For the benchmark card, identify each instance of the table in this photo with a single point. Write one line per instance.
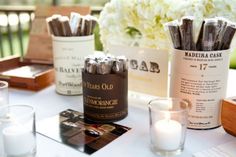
(134, 143)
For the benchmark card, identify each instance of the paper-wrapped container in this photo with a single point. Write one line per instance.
(201, 78)
(68, 55)
(105, 97)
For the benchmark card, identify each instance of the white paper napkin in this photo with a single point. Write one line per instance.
(223, 150)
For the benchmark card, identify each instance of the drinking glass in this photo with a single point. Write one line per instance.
(17, 131)
(168, 122)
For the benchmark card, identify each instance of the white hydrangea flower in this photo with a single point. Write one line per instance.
(140, 22)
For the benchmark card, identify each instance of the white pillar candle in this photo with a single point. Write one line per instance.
(167, 134)
(18, 140)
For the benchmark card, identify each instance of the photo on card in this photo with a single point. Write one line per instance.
(71, 129)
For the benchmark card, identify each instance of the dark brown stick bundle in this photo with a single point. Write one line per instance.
(105, 64)
(215, 34)
(77, 25)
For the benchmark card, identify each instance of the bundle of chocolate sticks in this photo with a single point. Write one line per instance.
(76, 25)
(215, 34)
(105, 64)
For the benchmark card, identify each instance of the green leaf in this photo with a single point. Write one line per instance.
(133, 32)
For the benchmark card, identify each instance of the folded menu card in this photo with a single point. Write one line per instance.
(70, 128)
(223, 150)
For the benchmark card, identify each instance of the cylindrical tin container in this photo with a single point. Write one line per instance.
(201, 78)
(105, 97)
(68, 55)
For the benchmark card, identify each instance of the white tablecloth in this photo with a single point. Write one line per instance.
(134, 143)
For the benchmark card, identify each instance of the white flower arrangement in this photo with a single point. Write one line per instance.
(140, 22)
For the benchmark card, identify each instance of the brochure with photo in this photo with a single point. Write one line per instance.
(70, 128)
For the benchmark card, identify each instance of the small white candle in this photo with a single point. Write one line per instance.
(167, 134)
(2, 101)
(18, 140)
(4, 122)
(3, 111)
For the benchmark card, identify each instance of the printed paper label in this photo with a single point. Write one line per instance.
(201, 78)
(68, 62)
(148, 69)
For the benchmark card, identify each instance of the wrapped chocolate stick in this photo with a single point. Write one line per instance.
(118, 66)
(209, 34)
(200, 36)
(174, 32)
(110, 61)
(186, 32)
(105, 64)
(103, 67)
(81, 28)
(221, 24)
(124, 61)
(50, 25)
(56, 25)
(93, 21)
(87, 59)
(53, 24)
(227, 36)
(91, 67)
(88, 27)
(79, 32)
(75, 19)
(64, 21)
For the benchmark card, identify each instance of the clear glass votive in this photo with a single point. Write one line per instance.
(3, 93)
(168, 123)
(17, 131)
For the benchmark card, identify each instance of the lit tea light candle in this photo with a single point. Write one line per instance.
(167, 134)
(18, 140)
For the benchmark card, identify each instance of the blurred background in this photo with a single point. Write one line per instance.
(54, 2)
(16, 18)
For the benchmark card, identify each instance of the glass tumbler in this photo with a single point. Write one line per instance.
(168, 123)
(17, 131)
(3, 93)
